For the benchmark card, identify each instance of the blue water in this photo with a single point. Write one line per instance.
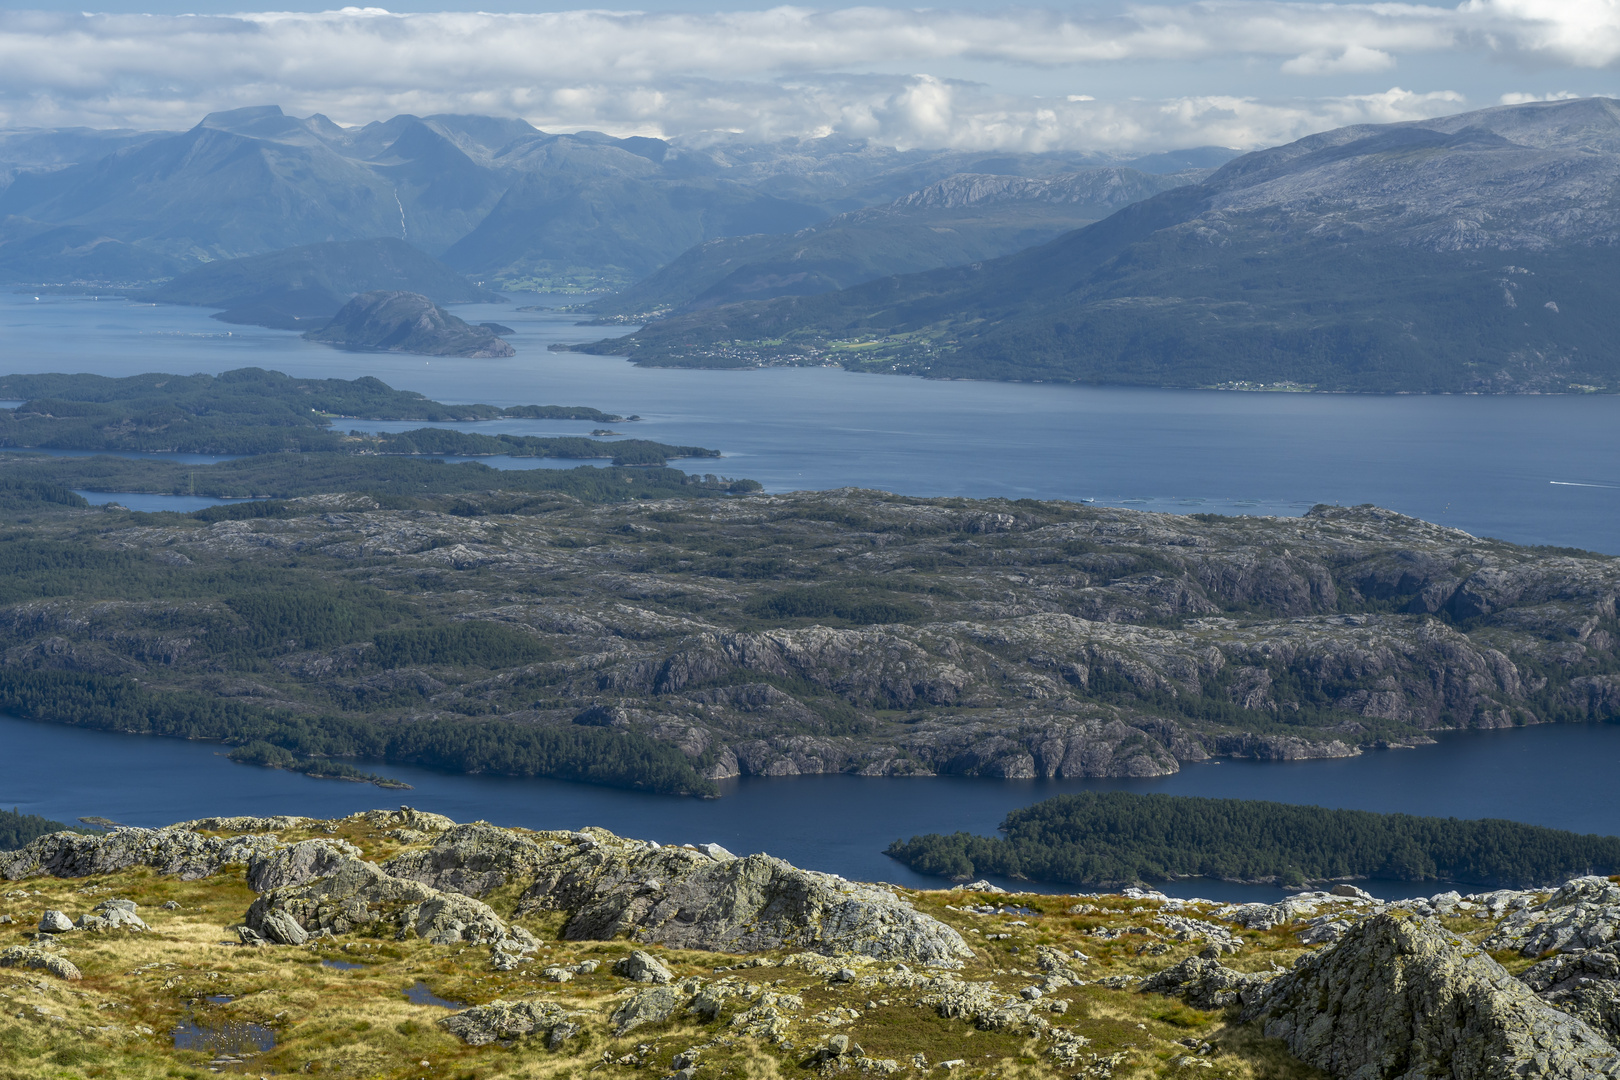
(1529, 469)
(1542, 470)
(1561, 776)
(153, 503)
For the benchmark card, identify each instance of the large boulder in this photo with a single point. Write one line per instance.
(688, 899)
(473, 860)
(1206, 984)
(26, 956)
(1400, 997)
(297, 863)
(648, 1007)
(359, 895)
(643, 967)
(501, 1020)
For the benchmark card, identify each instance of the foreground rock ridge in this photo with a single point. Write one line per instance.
(578, 950)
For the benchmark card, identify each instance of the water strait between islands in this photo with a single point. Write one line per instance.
(1530, 469)
(1536, 470)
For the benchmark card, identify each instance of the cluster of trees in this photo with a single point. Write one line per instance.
(259, 752)
(18, 829)
(570, 752)
(828, 602)
(290, 476)
(251, 411)
(1109, 838)
(466, 444)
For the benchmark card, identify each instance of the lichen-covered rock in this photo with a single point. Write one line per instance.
(173, 851)
(685, 899)
(1206, 984)
(643, 967)
(112, 915)
(26, 956)
(471, 859)
(54, 922)
(297, 863)
(359, 894)
(648, 1007)
(1584, 984)
(484, 1024)
(1400, 997)
(1580, 914)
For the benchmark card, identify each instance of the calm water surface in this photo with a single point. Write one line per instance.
(1530, 469)
(1560, 776)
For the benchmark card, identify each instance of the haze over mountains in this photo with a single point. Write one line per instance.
(493, 198)
(1473, 252)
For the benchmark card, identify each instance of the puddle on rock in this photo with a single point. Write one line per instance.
(419, 994)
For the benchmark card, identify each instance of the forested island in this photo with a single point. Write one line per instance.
(251, 411)
(1119, 838)
(651, 628)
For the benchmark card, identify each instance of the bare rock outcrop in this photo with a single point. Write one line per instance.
(1400, 997)
(1206, 984)
(503, 1020)
(173, 851)
(684, 898)
(359, 895)
(1580, 914)
(471, 859)
(26, 956)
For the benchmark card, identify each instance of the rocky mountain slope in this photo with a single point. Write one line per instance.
(963, 218)
(493, 197)
(395, 321)
(1462, 253)
(282, 945)
(306, 286)
(817, 632)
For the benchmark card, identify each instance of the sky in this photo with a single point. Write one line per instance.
(1100, 76)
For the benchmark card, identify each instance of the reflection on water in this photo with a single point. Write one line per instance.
(221, 1036)
(419, 994)
(152, 504)
(342, 965)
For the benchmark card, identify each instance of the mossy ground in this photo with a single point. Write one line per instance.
(327, 1021)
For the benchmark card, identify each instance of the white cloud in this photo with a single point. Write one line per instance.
(1351, 60)
(779, 71)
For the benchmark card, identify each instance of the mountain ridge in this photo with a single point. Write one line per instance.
(1366, 259)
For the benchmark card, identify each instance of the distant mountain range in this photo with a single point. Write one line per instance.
(1476, 252)
(493, 198)
(961, 219)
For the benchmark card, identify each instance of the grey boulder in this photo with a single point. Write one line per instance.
(502, 1020)
(1400, 997)
(648, 1007)
(25, 956)
(1206, 984)
(54, 922)
(643, 967)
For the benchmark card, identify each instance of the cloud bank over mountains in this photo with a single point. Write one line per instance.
(1028, 79)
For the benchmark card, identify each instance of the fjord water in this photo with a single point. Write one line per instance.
(1530, 469)
(1561, 776)
(1541, 470)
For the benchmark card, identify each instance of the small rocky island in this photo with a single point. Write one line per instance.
(410, 323)
(400, 943)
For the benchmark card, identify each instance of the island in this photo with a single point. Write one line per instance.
(393, 321)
